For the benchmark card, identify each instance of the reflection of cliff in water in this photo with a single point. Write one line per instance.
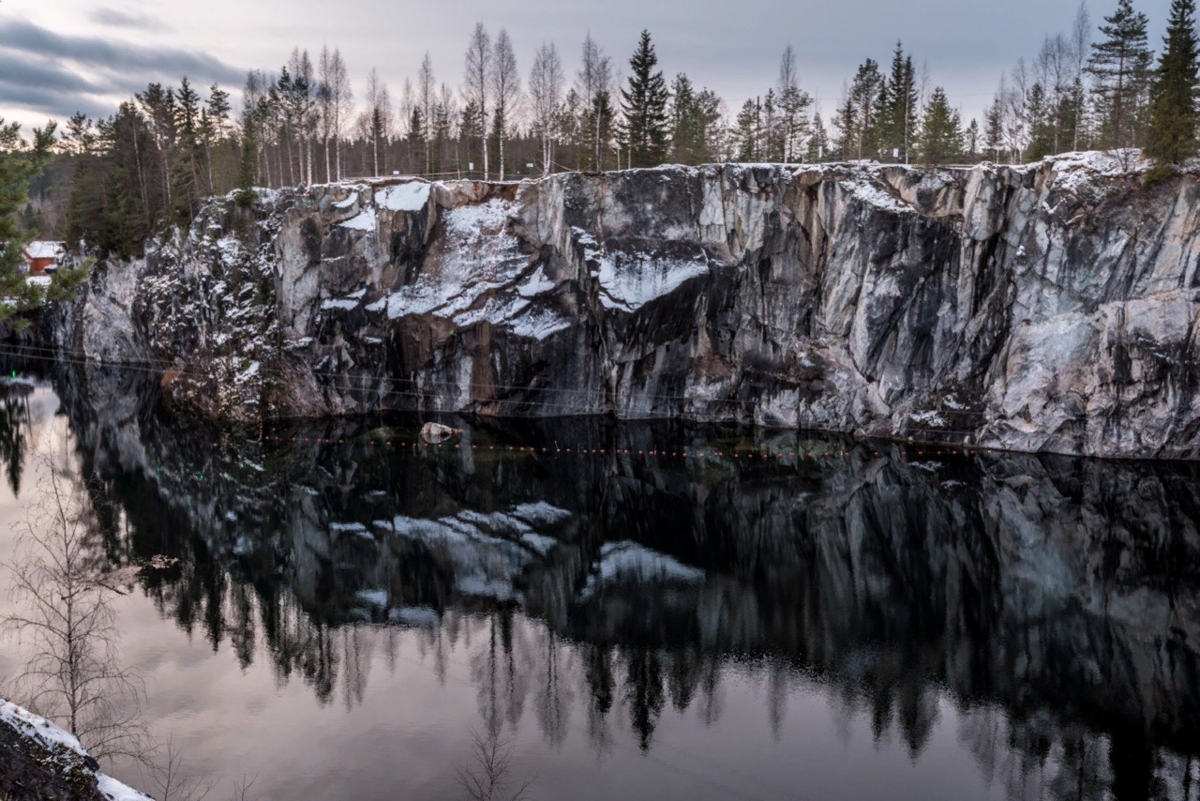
(1054, 599)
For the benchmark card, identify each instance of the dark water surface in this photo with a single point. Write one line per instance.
(835, 620)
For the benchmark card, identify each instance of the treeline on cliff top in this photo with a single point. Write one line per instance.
(113, 182)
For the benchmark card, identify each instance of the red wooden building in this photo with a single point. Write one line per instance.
(43, 257)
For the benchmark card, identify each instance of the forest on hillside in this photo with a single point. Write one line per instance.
(111, 183)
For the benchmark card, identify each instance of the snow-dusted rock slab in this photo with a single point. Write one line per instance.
(1049, 307)
(41, 760)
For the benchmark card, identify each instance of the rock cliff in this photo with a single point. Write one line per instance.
(1050, 307)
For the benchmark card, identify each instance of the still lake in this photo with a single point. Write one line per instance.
(772, 616)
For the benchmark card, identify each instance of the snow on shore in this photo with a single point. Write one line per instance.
(65, 747)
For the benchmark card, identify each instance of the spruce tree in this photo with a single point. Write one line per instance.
(864, 95)
(1120, 66)
(644, 103)
(418, 140)
(846, 122)
(746, 131)
(771, 147)
(597, 134)
(19, 163)
(818, 143)
(683, 100)
(993, 132)
(247, 172)
(941, 131)
(1041, 125)
(793, 107)
(971, 141)
(898, 108)
(1174, 93)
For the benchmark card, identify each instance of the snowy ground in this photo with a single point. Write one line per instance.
(64, 746)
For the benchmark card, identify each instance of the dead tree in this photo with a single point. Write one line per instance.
(488, 777)
(64, 618)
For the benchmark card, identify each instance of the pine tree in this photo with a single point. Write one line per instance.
(941, 132)
(644, 104)
(1175, 91)
(1120, 66)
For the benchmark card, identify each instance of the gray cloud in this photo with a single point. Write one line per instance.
(144, 63)
(25, 70)
(115, 18)
(56, 105)
(40, 85)
(33, 77)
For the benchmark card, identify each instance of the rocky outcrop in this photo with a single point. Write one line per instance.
(1050, 307)
(41, 762)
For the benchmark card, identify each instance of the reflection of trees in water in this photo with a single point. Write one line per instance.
(1050, 599)
(60, 587)
(15, 431)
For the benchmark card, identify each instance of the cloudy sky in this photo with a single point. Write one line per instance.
(60, 56)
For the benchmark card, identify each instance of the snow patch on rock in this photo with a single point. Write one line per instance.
(364, 221)
(630, 560)
(404, 197)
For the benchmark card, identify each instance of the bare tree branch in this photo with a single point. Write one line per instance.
(66, 620)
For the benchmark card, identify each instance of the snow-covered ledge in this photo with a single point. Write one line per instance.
(58, 753)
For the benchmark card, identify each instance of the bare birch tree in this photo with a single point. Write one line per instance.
(343, 104)
(169, 780)
(379, 111)
(489, 777)
(1081, 38)
(594, 81)
(477, 81)
(793, 106)
(506, 90)
(545, 95)
(326, 103)
(427, 99)
(64, 616)
(303, 107)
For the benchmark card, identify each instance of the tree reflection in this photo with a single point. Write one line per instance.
(1052, 603)
(15, 431)
(61, 586)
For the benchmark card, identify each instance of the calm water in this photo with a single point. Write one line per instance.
(871, 623)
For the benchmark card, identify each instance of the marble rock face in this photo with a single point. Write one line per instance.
(1049, 307)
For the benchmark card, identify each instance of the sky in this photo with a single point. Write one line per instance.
(62, 56)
